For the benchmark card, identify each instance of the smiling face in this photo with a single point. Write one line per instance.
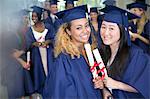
(93, 15)
(79, 31)
(53, 8)
(34, 17)
(110, 33)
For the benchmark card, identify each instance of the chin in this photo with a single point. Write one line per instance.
(84, 41)
(107, 43)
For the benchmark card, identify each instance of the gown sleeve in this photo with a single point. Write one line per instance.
(139, 68)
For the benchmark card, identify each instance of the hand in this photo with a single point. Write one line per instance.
(111, 83)
(46, 43)
(133, 35)
(106, 94)
(24, 64)
(98, 83)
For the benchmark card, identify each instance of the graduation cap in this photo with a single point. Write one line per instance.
(53, 2)
(93, 9)
(110, 2)
(138, 4)
(48, 11)
(37, 9)
(72, 14)
(117, 15)
(70, 1)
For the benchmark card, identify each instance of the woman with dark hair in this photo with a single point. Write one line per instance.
(95, 23)
(128, 67)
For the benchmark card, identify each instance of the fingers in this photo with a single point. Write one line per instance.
(98, 83)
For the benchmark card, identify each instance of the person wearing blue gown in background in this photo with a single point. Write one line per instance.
(140, 27)
(39, 40)
(127, 65)
(69, 4)
(95, 20)
(70, 77)
(15, 75)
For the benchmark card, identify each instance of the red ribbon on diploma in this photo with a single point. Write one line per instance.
(93, 68)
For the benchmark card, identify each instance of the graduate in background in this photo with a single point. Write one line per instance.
(70, 76)
(69, 4)
(128, 67)
(53, 9)
(95, 23)
(16, 77)
(39, 42)
(140, 26)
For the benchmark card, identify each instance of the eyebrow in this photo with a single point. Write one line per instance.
(108, 25)
(85, 24)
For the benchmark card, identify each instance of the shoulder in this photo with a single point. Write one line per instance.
(62, 57)
(138, 54)
(135, 48)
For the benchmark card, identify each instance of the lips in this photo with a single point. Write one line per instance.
(85, 36)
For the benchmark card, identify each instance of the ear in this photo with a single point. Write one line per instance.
(68, 31)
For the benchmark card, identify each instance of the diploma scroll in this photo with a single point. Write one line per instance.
(100, 62)
(90, 59)
(28, 59)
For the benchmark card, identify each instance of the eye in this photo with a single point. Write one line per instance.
(103, 27)
(79, 28)
(87, 25)
(111, 28)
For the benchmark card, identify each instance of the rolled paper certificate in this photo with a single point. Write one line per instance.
(28, 59)
(100, 62)
(90, 57)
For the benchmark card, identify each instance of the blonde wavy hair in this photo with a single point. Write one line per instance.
(141, 23)
(64, 44)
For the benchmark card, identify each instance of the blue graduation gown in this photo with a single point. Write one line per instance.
(36, 69)
(136, 75)
(70, 79)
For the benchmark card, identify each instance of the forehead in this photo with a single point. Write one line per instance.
(34, 13)
(79, 21)
(93, 13)
(53, 5)
(109, 23)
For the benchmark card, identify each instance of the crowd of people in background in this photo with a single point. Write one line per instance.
(47, 59)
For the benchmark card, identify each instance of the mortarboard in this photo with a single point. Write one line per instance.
(70, 1)
(138, 4)
(72, 14)
(53, 2)
(37, 9)
(94, 9)
(110, 2)
(117, 15)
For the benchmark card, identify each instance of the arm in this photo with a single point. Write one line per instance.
(114, 84)
(134, 36)
(16, 54)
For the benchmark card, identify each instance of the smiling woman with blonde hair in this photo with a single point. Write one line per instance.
(140, 26)
(70, 76)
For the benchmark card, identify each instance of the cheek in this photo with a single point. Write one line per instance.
(102, 31)
(88, 29)
(116, 36)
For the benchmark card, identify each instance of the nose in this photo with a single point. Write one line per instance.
(106, 32)
(87, 29)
